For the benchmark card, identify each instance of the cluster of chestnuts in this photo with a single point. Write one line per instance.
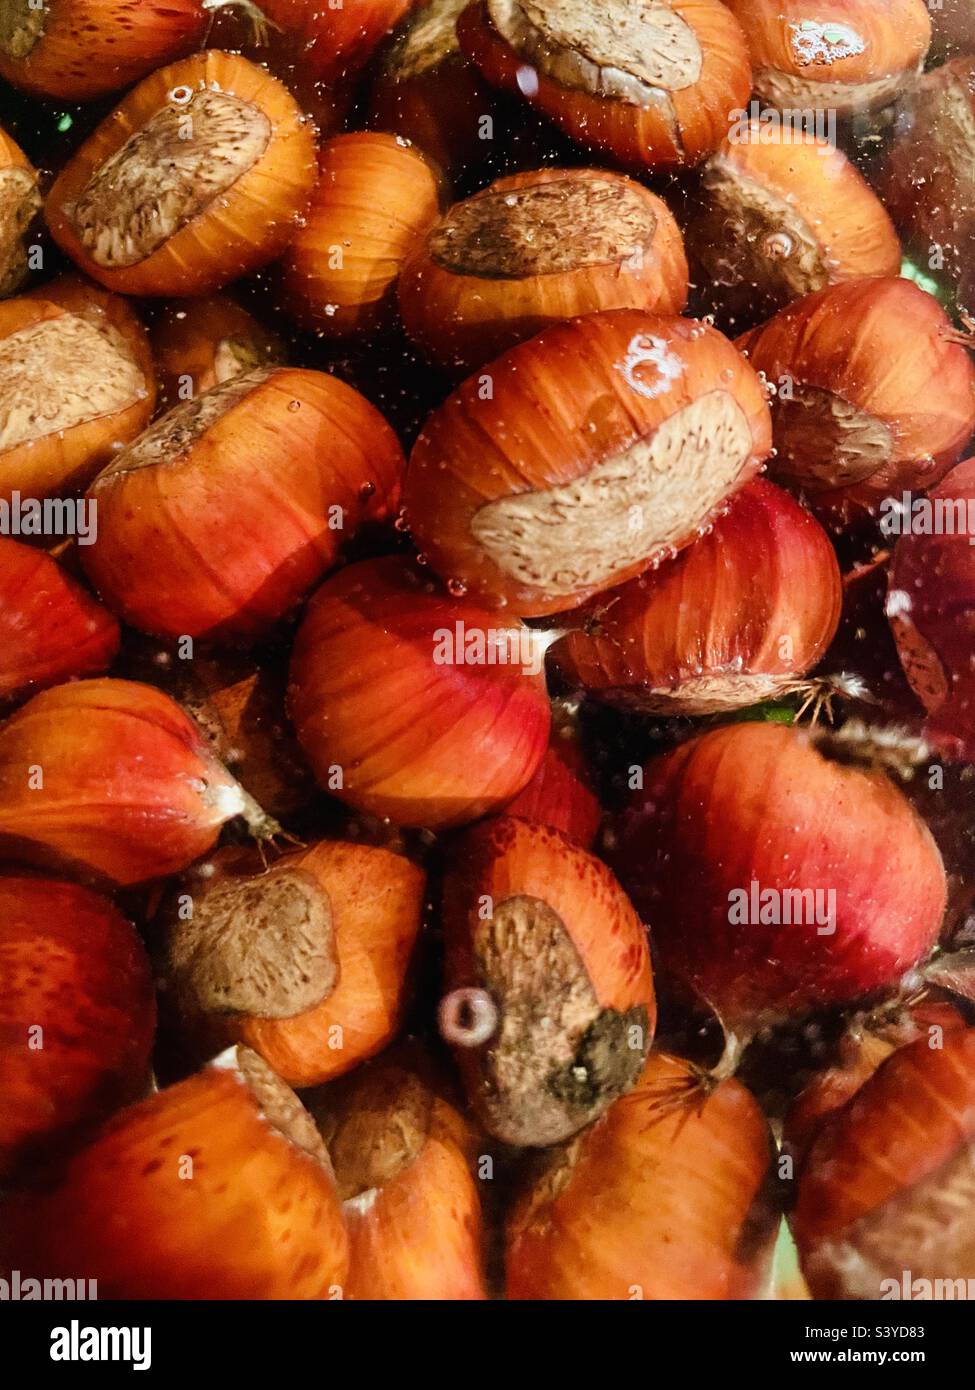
(487, 647)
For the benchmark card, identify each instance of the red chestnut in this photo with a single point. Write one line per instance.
(77, 1014)
(244, 497)
(929, 181)
(50, 627)
(931, 604)
(735, 619)
(111, 779)
(413, 705)
(768, 873)
(550, 1000)
(873, 396)
(582, 457)
(560, 795)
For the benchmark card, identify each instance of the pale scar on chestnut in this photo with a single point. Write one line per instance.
(21, 27)
(382, 1132)
(635, 51)
(278, 1104)
(263, 946)
(166, 174)
(543, 229)
(179, 429)
(825, 441)
(558, 1058)
(645, 498)
(62, 372)
(20, 200)
(743, 226)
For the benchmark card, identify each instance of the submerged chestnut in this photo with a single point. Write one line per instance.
(197, 178)
(648, 82)
(534, 248)
(582, 457)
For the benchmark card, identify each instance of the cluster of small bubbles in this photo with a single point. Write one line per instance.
(331, 310)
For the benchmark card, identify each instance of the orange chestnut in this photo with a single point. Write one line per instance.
(20, 201)
(534, 248)
(872, 395)
(76, 380)
(663, 1198)
(549, 997)
(77, 1014)
(403, 1168)
(735, 619)
(50, 626)
(846, 55)
(784, 214)
(80, 49)
(218, 1187)
(650, 84)
(197, 178)
(883, 1191)
(411, 704)
(305, 962)
(199, 343)
(560, 795)
(244, 497)
(375, 197)
(582, 457)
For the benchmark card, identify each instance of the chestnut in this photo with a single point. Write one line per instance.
(532, 249)
(798, 902)
(393, 683)
(50, 626)
(305, 961)
(849, 56)
(735, 619)
(873, 396)
(561, 795)
(931, 605)
(77, 1015)
(782, 216)
(549, 998)
(244, 497)
(929, 178)
(110, 780)
(197, 178)
(218, 1187)
(427, 91)
(336, 39)
(582, 457)
(77, 50)
(883, 1207)
(651, 85)
(20, 201)
(402, 1157)
(665, 1197)
(199, 343)
(76, 380)
(375, 197)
